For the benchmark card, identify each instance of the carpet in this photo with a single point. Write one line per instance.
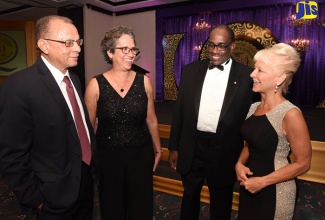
(167, 207)
(310, 205)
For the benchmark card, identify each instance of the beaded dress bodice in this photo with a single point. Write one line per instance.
(122, 121)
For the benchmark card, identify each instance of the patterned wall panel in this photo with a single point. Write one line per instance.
(170, 43)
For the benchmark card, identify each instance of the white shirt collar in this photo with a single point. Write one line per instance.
(57, 74)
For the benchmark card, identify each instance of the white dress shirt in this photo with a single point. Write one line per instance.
(212, 97)
(58, 76)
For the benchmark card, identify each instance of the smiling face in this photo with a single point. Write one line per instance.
(266, 77)
(59, 55)
(220, 36)
(282, 61)
(122, 60)
(263, 77)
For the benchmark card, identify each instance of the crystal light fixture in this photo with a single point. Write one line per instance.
(300, 44)
(198, 47)
(322, 24)
(200, 27)
(299, 22)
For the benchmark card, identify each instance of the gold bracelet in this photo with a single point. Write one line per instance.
(159, 152)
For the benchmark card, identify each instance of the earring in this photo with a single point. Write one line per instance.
(276, 88)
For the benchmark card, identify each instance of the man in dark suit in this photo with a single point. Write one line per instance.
(213, 100)
(43, 158)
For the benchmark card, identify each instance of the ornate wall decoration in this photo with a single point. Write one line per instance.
(170, 43)
(250, 38)
(12, 42)
(321, 105)
(17, 46)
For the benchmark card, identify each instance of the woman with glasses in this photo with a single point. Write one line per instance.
(127, 134)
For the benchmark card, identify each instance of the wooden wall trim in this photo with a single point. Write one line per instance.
(317, 169)
(175, 187)
(164, 131)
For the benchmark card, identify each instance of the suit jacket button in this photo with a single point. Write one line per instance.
(78, 154)
(77, 178)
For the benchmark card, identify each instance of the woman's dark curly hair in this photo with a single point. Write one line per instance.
(110, 38)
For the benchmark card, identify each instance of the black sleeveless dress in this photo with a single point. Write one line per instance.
(122, 121)
(269, 150)
(125, 151)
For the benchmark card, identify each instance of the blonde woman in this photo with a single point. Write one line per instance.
(274, 128)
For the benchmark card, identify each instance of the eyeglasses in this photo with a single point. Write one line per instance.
(68, 43)
(127, 50)
(220, 47)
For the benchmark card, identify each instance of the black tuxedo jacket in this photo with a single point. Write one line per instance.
(40, 152)
(238, 98)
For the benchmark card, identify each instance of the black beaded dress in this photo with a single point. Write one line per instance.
(269, 150)
(126, 153)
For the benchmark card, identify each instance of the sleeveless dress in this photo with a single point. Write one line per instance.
(125, 152)
(122, 121)
(269, 150)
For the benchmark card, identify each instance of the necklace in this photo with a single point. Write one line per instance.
(122, 87)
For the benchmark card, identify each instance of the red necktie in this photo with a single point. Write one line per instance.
(83, 137)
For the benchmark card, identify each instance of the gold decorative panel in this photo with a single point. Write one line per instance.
(170, 43)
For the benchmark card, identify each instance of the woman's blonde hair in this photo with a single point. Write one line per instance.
(284, 59)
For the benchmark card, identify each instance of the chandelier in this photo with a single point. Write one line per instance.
(322, 24)
(300, 44)
(198, 47)
(299, 22)
(201, 27)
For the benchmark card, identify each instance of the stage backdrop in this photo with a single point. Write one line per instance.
(308, 86)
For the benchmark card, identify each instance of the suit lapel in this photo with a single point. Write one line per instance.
(57, 95)
(232, 86)
(53, 87)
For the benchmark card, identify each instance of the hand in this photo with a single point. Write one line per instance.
(172, 159)
(40, 206)
(158, 155)
(253, 184)
(242, 171)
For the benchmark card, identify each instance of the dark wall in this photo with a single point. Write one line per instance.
(76, 15)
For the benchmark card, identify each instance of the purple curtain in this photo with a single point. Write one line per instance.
(308, 86)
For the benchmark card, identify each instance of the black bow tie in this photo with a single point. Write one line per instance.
(220, 67)
(211, 66)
